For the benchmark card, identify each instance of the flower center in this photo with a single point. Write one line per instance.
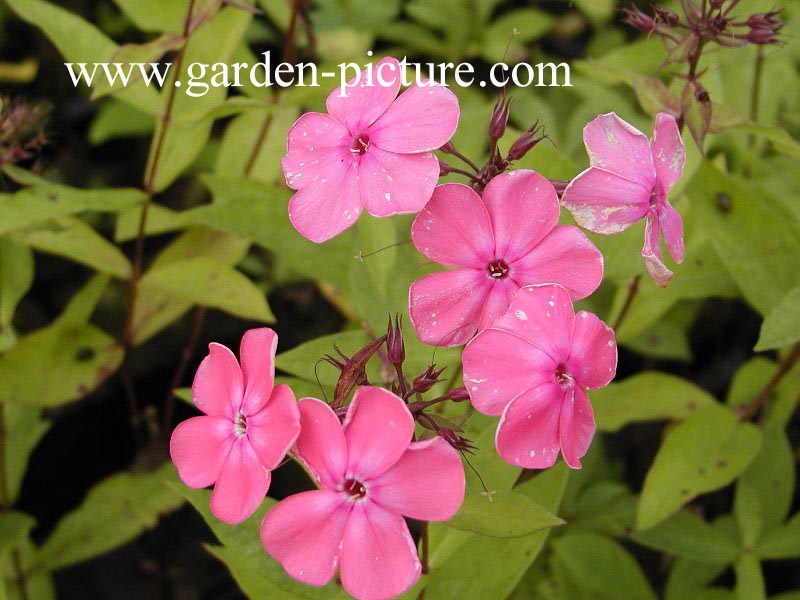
(498, 269)
(562, 377)
(355, 489)
(240, 424)
(360, 144)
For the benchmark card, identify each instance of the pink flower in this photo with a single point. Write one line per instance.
(628, 180)
(248, 426)
(498, 243)
(533, 367)
(371, 474)
(372, 150)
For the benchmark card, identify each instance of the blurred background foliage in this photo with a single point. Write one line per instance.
(682, 496)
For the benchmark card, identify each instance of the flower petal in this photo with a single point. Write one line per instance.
(242, 484)
(198, 447)
(445, 307)
(671, 224)
(618, 147)
(499, 365)
(605, 203)
(393, 184)
(528, 432)
(321, 445)
(566, 257)
(325, 209)
(303, 533)
(379, 558)
(543, 315)
(315, 145)
(454, 228)
(257, 354)
(576, 429)
(274, 429)
(523, 207)
(497, 300)
(358, 105)
(378, 429)
(217, 387)
(435, 497)
(593, 360)
(651, 252)
(423, 118)
(669, 153)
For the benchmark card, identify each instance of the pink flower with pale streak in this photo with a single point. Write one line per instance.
(372, 150)
(533, 367)
(628, 180)
(371, 474)
(247, 428)
(498, 243)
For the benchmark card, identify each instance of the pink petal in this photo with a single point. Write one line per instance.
(651, 252)
(198, 447)
(393, 184)
(217, 387)
(257, 353)
(542, 315)
(362, 103)
(325, 209)
(669, 154)
(379, 558)
(422, 118)
(321, 445)
(528, 432)
(315, 145)
(499, 365)
(576, 428)
(497, 300)
(274, 429)
(378, 429)
(566, 257)
(445, 307)
(434, 497)
(618, 147)
(605, 203)
(454, 228)
(303, 533)
(242, 484)
(523, 207)
(593, 360)
(671, 224)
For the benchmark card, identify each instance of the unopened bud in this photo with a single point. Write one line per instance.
(762, 35)
(455, 440)
(525, 143)
(499, 119)
(667, 16)
(426, 380)
(640, 20)
(457, 395)
(395, 348)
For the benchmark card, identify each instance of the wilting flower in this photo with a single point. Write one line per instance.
(372, 150)
(498, 243)
(248, 426)
(371, 474)
(628, 180)
(533, 367)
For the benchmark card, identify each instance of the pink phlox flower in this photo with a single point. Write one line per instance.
(628, 180)
(533, 367)
(371, 474)
(372, 150)
(248, 426)
(497, 243)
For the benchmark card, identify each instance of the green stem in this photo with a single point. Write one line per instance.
(751, 408)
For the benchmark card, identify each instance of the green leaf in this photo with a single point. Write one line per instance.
(155, 15)
(781, 543)
(24, 428)
(704, 453)
(779, 138)
(687, 535)
(115, 511)
(528, 23)
(749, 578)
(14, 526)
(654, 96)
(378, 239)
(503, 514)
(749, 379)
(16, 277)
(38, 585)
(689, 576)
(696, 113)
(118, 120)
(648, 396)
(781, 326)
(160, 219)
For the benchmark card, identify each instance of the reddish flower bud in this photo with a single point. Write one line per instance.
(525, 142)
(715, 4)
(666, 16)
(762, 35)
(769, 19)
(456, 441)
(395, 348)
(499, 119)
(444, 169)
(639, 20)
(425, 380)
(457, 395)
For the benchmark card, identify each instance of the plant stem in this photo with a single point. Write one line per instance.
(186, 356)
(633, 289)
(425, 548)
(464, 159)
(751, 408)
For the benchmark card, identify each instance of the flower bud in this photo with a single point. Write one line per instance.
(715, 4)
(640, 20)
(457, 395)
(525, 143)
(395, 348)
(762, 35)
(667, 16)
(425, 380)
(455, 440)
(499, 119)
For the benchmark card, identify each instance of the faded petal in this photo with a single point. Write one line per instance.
(593, 360)
(669, 153)
(566, 257)
(242, 484)
(217, 387)
(379, 558)
(257, 354)
(445, 307)
(434, 497)
(422, 118)
(321, 445)
(315, 146)
(671, 224)
(499, 365)
(618, 147)
(303, 533)
(651, 252)
(576, 428)
(198, 448)
(362, 104)
(393, 184)
(454, 228)
(523, 207)
(378, 429)
(528, 432)
(274, 429)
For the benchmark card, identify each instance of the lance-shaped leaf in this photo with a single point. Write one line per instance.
(503, 514)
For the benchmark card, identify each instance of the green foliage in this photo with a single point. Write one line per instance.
(502, 514)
